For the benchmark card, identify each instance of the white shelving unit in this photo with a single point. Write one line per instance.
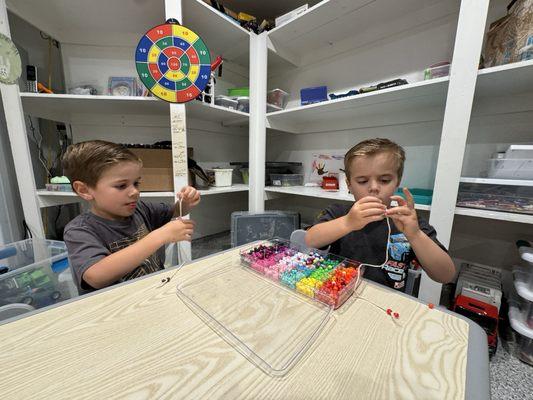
(492, 181)
(341, 43)
(89, 35)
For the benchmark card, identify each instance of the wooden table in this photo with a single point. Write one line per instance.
(139, 340)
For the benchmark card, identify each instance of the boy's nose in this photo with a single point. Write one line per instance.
(134, 192)
(374, 187)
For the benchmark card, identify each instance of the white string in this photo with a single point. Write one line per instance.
(386, 250)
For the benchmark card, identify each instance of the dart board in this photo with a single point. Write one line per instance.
(173, 63)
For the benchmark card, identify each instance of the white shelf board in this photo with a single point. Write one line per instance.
(49, 198)
(498, 215)
(62, 107)
(504, 80)
(319, 193)
(335, 26)
(222, 35)
(414, 102)
(95, 22)
(491, 181)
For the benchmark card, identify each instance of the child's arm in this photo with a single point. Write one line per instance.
(113, 267)
(366, 210)
(434, 260)
(190, 197)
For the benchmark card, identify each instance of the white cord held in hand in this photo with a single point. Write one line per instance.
(386, 250)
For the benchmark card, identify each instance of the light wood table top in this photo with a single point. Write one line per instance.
(139, 340)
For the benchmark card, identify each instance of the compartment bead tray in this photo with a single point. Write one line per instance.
(327, 278)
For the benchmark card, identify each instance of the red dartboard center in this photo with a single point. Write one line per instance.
(173, 62)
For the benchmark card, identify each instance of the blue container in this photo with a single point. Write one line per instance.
(313, 95)
(421, 196)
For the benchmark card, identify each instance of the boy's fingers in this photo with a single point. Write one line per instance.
(373, 211)
(401, 201)
(369, 199)
(366, 206)
(400, 210)
(409, 197)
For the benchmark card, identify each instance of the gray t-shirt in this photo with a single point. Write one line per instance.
(368, 246)
(90, 238)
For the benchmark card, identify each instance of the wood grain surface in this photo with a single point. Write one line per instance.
(140, 341)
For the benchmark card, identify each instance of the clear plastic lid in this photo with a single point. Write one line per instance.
(258, 306)
(270, 325)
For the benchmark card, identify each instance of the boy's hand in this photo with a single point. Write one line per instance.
(404, 216)
(365, 210)
(190, 197)
(177, 230)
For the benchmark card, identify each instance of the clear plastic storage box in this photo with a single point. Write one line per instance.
(226, 101)
(508, 198)
(278, 98)
(437, 70)
(35, 272)
(287, 179)
(243, 104)
(223, 176)
(327, 278)
(513, 168)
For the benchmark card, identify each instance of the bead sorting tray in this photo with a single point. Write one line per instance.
(324, 277)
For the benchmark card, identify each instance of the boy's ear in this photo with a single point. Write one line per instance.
(82, 190)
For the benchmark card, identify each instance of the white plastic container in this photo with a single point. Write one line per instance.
(222, 176)
(524, 349)
(511, 168)
(519, 151)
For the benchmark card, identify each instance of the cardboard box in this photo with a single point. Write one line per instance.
(156, 174)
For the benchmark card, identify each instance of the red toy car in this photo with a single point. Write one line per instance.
(485, 315)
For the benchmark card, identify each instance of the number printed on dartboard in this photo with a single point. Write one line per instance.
(173, 63)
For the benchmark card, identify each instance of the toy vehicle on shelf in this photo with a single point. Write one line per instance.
(485, 315)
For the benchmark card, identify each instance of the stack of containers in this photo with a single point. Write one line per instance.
(521, 315)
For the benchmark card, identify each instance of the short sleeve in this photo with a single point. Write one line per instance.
(84, 250)
(330, 213)
(158, 214)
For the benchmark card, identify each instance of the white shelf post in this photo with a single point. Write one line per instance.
(257, 146)
(463, 75)
(16, 128)
(178, 128)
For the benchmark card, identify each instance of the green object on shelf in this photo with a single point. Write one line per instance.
(421, 196)
(59, 179)
(244, 173)
(239, 92)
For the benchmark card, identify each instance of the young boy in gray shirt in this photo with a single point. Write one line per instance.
(360, 230)
(120, 237)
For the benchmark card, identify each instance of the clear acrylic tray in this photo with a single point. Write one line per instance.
(268, 322)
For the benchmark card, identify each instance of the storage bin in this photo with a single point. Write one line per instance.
(222, 176)
(32, 269)
(313, 95)
(524, 350)
(278, 98)
(517, 199)
(511, 168)
(421, 196)
(326, 278)
(58, 187)
(243, 104)
(239, 92)
(523, 283)
(287, 179)
(226, 101)
(437, 70)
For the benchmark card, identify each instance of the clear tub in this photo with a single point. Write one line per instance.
(278, 98)
(511, 168)
(35, 272)
(287, 179)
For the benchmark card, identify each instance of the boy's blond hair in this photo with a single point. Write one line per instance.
(86, 161)
(374, 146)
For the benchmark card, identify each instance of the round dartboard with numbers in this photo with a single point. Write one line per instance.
(173, 63)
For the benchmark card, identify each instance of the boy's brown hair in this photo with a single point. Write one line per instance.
(86, 161)
(374, 146)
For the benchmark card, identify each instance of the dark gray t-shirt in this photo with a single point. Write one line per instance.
(90, 238)
(368, 245)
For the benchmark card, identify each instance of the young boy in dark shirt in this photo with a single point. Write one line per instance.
(359, 231)
(121, 237)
